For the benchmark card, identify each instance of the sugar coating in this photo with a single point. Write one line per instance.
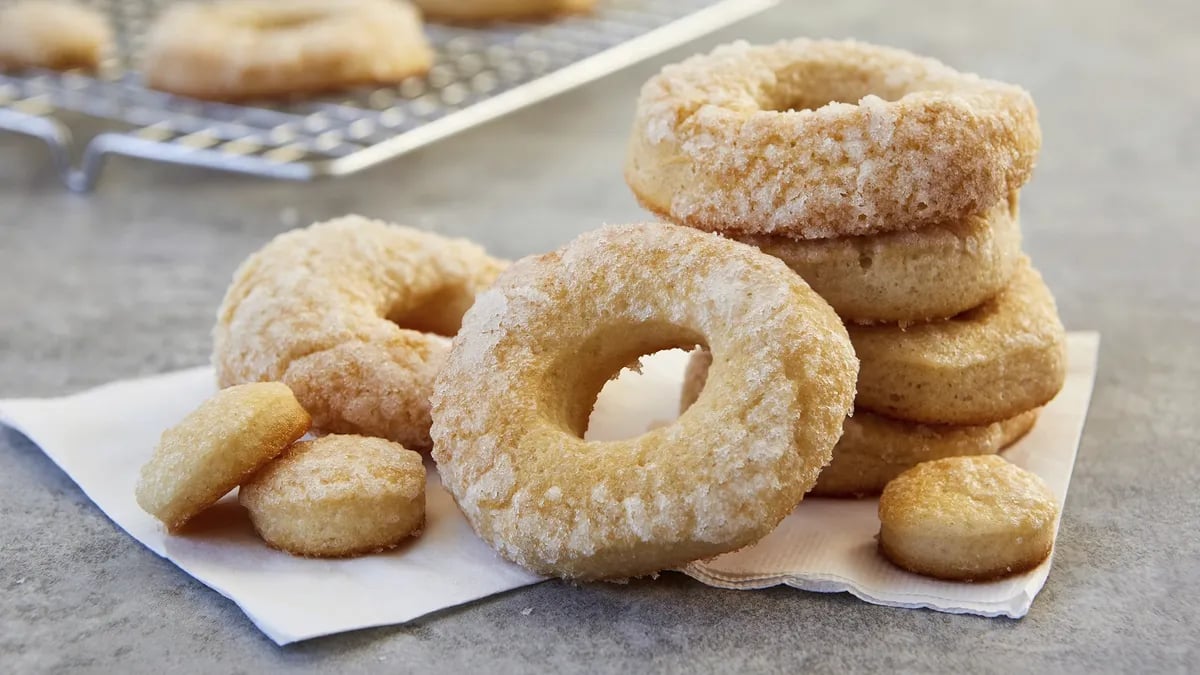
(985, 365)
(491, 10)
(820, 138)
(215, 447)
(233, 49)
(969, 518)
(874, 449)
(52, 34)
(315, 307)
(511, 404)
(934, 272)
(337, 496)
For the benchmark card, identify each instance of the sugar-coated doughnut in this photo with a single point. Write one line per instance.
(492, 10)
(512, 404)
(236, 49)
(218, 445)
(52, 34)
(967, 519)
(338, 496)
(985, 365)
(875, 449)
(352, 314)
(934, 272)
(820, 138)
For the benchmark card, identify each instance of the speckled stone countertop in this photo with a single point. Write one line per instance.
(125, 282)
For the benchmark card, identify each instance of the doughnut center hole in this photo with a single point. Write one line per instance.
(438, 312)
(284, 20)
(640, 397)
(809, 86)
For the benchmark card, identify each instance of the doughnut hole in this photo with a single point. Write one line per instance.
(813, 85)
(282, 18)
(597, 362)
(438, 312)
(617, 417)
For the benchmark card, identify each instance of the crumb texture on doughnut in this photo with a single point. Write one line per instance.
(493, 10)
(821, 138)
(875, 449)
(338, 496)
(351, 314)
(52, 34)
(236, 49)
(217, 446)
(512, 404)
(985, 365)
(934, 272)
(967, 519)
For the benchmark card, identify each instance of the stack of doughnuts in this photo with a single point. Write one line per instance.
(889, 182)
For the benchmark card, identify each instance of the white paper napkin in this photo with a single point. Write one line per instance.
(101, 437)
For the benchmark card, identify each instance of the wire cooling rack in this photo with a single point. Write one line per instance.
(479, 73)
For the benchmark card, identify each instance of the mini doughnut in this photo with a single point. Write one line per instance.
(819, 138)
(217, 446)
(985, 365)
(52, 34)
(493, 10)
(967, 519)
(935, 272)
(338, 496)
(512, 404)
(237, 49)
(875, 449)
(351, 315)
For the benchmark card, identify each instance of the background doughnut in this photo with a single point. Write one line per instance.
(985, 365)
(217, 446)
(967, 519)
(52, 34)
(934, 272)
(338, 496)
(236, 49)
(821, 138)
(353, 314)
(512, 404)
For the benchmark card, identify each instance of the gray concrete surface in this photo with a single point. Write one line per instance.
(125, 281)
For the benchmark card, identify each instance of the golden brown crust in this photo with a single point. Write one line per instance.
(985, 365)
(338, 496)
(934, 272)
(746, 140)
(52, 34)
(211, 451)
(967, 519)
(512, 403)
(317, 309)
(500, 10)
(237, 49)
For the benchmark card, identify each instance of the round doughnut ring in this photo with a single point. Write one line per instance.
(218, 445)
(967, 519)
(237, 49)
(351, 315)
(338, 496)
(875, 449)
(511, 406)
(985, 365)
(52, 34)
(817, 138)
(493, 10)
(935, 272)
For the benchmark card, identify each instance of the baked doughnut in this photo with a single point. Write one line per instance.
(217, 446)
(512, 404)
(237, 49)
(52, 34)
(985, 365)
(493, 10)
(914, 275)
(338, 496)
(351, 314)
(875, 449)
(819, 138)
(967, 519)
